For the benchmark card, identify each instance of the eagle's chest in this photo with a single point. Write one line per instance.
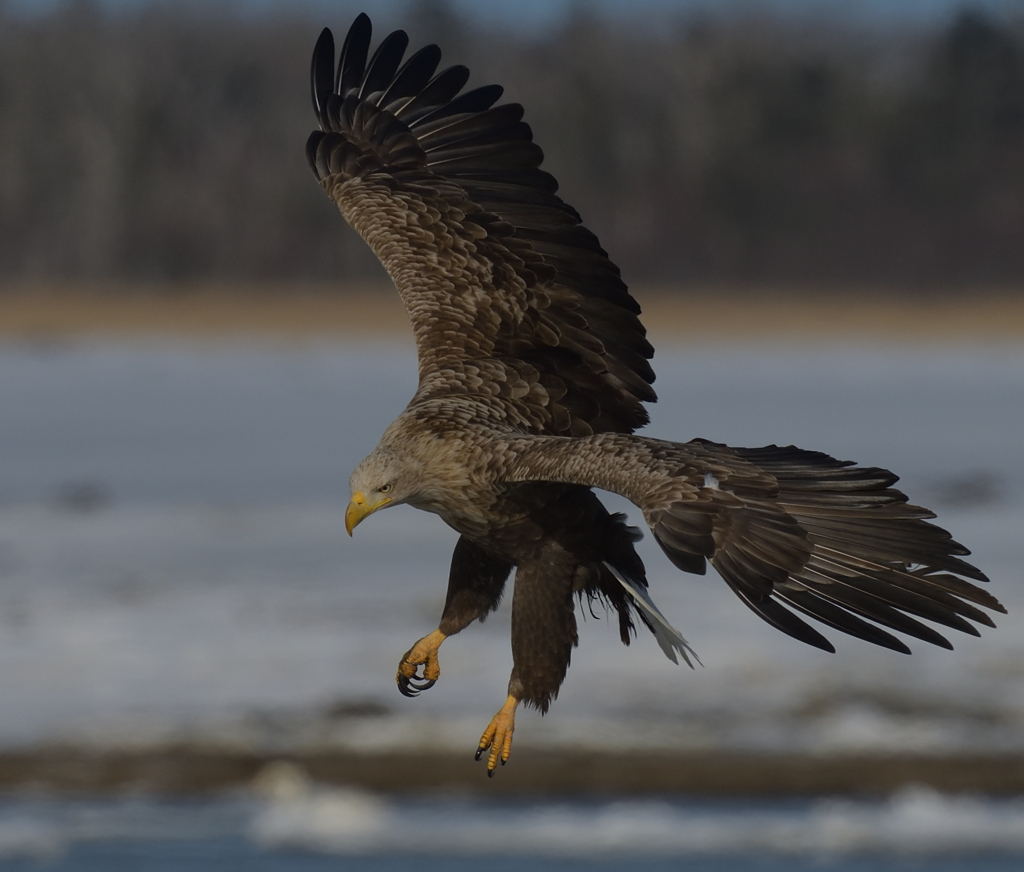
(483, 515)
(511, 521)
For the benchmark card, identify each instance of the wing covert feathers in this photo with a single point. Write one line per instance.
(511, 299)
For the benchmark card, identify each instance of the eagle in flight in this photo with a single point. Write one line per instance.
(533, 373)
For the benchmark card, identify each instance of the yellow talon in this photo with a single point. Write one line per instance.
(498, 736)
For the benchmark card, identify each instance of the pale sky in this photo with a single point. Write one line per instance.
(532, 14)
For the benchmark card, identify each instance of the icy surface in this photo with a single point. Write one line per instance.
(915, 821)
(916, 824)
(173, 559)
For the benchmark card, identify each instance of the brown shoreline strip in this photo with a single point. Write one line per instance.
(339, 312)
(720, 773)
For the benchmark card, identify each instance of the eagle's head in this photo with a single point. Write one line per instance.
(412, 465)
(383, 478)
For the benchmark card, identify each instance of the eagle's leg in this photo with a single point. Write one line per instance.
(498, 735)
(543, 636)
(475, 584)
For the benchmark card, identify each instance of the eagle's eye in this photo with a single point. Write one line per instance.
(386, 488)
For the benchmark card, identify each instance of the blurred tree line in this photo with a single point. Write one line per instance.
(167, 144)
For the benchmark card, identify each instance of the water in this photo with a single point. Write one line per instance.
(339, 829)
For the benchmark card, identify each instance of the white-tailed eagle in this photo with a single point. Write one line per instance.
(533, 372)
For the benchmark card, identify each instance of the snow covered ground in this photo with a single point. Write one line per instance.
(173, 559)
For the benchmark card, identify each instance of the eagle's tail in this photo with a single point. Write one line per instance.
(669, 639)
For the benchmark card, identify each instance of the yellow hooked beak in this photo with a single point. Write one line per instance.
(358, 509)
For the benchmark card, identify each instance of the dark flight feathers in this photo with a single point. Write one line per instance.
(828, 539)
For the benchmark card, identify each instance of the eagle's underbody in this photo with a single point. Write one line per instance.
(533, 371)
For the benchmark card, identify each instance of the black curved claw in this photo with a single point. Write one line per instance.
(480, 753)
(414, 686)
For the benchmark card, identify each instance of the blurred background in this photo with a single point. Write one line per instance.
(820, 207)
(817, 143)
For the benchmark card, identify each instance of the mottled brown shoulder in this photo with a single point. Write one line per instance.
(512, 300)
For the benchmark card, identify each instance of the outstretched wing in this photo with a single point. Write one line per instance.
(788, 527)
(511, 299)
(790, 531)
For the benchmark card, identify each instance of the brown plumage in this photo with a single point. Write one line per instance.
(533, 371)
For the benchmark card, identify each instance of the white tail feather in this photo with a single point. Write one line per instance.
(669, 639)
